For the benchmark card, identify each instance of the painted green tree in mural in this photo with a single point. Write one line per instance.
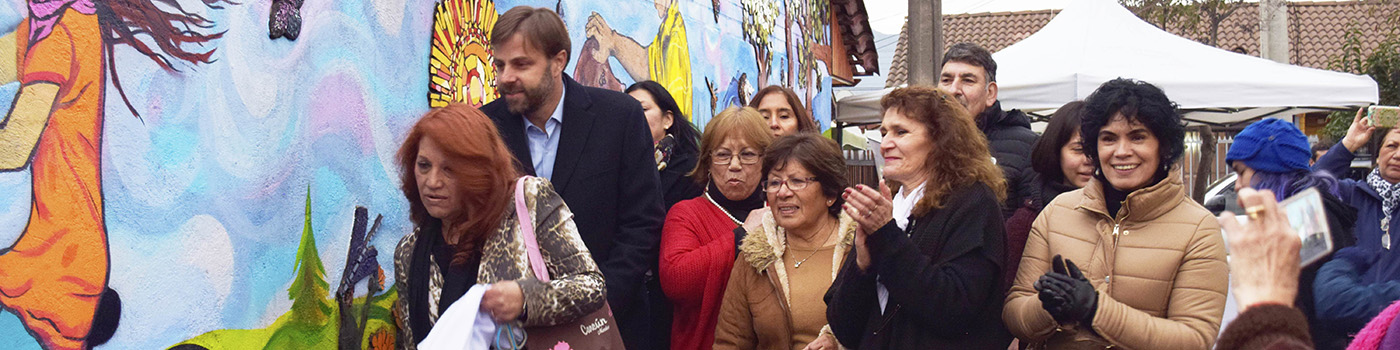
(312, 322)
(760, 16)
(309, 288)
(814, 45)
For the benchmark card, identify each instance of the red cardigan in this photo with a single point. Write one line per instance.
(697, 254)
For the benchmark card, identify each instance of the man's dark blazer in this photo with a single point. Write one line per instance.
(605, 169)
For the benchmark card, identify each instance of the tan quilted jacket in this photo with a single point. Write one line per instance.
(1159, 268)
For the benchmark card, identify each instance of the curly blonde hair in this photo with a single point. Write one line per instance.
(959, 155)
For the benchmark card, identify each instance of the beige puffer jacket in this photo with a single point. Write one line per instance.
(1159, 269)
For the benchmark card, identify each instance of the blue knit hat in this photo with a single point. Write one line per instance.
(1271, 145)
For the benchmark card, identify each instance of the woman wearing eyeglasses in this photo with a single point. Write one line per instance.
(786, 263)
(701, 234)
(927, 265)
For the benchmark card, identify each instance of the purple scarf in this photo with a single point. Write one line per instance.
(44, 14)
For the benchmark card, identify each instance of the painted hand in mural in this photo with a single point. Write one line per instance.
(505, 301)
(628, 52)
(666, 60)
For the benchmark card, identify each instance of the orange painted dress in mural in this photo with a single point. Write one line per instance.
(53, 276)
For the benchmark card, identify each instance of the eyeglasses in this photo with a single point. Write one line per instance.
(745, 157)
(793, 184)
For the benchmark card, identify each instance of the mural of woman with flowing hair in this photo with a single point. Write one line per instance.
(54, 277)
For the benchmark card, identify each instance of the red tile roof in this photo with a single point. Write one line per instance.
(1316, 30)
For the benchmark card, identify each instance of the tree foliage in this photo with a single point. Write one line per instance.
(1381, 62)
(1190, 17)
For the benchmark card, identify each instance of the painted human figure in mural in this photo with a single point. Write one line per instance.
(54, 277)
(666, 60)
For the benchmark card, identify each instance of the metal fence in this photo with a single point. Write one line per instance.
(860, 168)
(1191, 160)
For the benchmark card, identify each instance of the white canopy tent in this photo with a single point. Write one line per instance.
(1093, 41)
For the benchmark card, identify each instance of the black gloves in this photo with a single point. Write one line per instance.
(1066, 294)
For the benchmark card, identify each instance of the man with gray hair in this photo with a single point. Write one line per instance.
(970, 75)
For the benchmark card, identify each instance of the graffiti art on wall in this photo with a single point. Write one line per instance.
(763, 41)
(211, 201)
(460, 68)
(54, 277)
(156, 151)
(313, 321)
(285, 20)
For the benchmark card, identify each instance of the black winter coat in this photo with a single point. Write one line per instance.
(1011, 139)
(1341, 219)
(944, 278)
(605, 169)
(676, 184)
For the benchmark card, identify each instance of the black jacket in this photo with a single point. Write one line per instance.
(605, 170)
(1341, 219)
(943, 275)
(1011, 139)
(676, 186)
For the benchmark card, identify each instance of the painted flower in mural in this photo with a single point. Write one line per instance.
(460, 67)
(381, 340)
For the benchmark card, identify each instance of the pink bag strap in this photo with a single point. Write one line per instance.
(527, 232)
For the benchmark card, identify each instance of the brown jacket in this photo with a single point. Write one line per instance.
(1159, 268)
(754, 313)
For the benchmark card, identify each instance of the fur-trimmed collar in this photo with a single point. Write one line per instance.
(762, 248)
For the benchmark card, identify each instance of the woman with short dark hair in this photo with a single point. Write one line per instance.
(926, 270)
(1060, 166)
(1153, 262)
(789, 260)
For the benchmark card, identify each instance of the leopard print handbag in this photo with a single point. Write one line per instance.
(595, 331)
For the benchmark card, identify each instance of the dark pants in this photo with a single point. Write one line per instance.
(646, 323)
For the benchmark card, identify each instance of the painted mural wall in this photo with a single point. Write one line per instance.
(219, 173)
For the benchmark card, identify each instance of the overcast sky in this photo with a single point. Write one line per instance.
(890, 14)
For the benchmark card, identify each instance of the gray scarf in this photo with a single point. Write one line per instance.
(1390, 196)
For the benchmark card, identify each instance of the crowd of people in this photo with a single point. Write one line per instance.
(981, 235)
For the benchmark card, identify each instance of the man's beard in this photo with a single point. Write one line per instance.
(533, 97)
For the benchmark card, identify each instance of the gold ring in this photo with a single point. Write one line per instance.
(1254, 212)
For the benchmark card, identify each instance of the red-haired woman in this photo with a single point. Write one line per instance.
(460, 182)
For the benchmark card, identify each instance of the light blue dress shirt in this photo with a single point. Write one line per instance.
(544, 144)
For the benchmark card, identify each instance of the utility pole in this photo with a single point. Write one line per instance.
(925, 41)
(1273, 30)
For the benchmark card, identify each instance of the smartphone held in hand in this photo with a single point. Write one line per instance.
(1308, 218)
(1383, 116)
